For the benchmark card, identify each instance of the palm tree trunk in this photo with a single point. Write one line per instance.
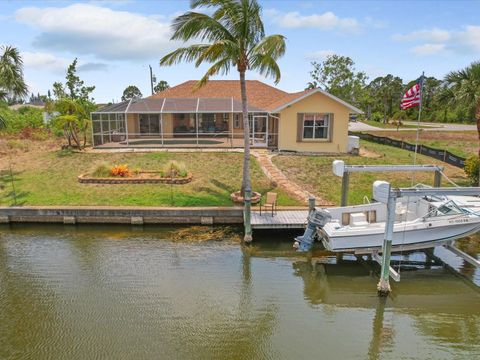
(246, 181)
(477, 117)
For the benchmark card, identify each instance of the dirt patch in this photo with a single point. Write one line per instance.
(23, 154)
(368, 153)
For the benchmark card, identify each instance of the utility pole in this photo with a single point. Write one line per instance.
(151, 79)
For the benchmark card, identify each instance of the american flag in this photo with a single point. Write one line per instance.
(412, 97)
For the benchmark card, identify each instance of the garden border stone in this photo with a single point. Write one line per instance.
(86, 179)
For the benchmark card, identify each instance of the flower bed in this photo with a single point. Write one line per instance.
(143, 177)
(238, 198)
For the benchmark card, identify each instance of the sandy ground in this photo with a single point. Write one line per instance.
(23, 153)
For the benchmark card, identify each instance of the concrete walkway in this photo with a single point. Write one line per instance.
(264, 159)
(425, 126)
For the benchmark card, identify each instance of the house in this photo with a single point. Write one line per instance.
(211, 116)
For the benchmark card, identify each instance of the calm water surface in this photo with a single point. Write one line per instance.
(129, 293)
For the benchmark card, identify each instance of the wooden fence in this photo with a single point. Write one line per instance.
(439, 154)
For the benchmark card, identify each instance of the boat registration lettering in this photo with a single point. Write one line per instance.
(458, 221)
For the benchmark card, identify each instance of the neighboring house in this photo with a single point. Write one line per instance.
(307, 121)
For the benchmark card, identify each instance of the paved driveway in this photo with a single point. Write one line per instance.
(359, 126)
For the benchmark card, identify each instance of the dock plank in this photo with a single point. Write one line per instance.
(291, 219)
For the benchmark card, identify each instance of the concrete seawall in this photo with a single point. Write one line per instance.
(122, 215)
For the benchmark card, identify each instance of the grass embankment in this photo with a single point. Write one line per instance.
(314, 173)
(46, 176)
(461, 143)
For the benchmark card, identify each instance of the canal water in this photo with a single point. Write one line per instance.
(90, 292)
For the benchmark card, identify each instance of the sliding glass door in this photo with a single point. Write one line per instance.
(149, 124)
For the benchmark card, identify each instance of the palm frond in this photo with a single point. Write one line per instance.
(220, 67)
(193, 25)
(464, 84)
(218, 50)
(11, 72)
(273, 45)
(265, 65)
(188, 54)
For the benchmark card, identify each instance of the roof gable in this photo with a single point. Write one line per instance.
(294, 98)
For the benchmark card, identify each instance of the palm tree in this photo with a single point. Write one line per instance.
(233, 36)
(465, 88)
(11, 74)
(161, 86)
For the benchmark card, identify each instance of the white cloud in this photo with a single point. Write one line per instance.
(432, 35)
(320, 54)
(465, 41)
(44, 61)
(325, 21)
(375, 23)
(427, 49)
(92, 66)
(100, 31)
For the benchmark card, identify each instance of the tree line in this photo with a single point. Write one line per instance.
(444, 100)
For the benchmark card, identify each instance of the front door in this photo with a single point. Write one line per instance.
(258, 130)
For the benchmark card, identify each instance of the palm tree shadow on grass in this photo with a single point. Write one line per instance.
(13, 196)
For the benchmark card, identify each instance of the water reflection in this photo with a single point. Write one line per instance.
(110, 293)
(443, 308)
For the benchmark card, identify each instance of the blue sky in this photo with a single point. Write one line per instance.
(116, 40)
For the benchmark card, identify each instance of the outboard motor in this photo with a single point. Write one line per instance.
(317, 218)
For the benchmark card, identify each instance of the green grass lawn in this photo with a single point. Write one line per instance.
(315, 172)
(461, 143)
(50, 178)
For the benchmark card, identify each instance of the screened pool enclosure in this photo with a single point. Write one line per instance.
(181, 122)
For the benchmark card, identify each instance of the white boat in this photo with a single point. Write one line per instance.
(420, 222)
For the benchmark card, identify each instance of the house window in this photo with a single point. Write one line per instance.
(237, 122)
(316, 126)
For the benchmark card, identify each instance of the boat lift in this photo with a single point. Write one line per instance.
(343, 171)
(390, 196)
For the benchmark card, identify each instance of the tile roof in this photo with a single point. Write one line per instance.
(260, 95)
(218, 95)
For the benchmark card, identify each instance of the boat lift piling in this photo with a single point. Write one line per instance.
(390, 197)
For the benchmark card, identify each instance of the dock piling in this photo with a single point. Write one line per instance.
(247, 212)
(383, 286)
(345, 182)
(437, 180)
(311, 204)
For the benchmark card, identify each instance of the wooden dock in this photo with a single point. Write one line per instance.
(287, 219)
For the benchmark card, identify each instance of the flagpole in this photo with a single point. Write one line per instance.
(418, 123)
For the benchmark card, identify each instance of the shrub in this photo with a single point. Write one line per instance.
(101, 170)
(376, 116)
(120, 170)
(471, 168)
(25, 117)
(174, 169)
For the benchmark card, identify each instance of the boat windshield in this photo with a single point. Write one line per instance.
(450, 208)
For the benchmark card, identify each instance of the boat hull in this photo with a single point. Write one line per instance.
(424, 234)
